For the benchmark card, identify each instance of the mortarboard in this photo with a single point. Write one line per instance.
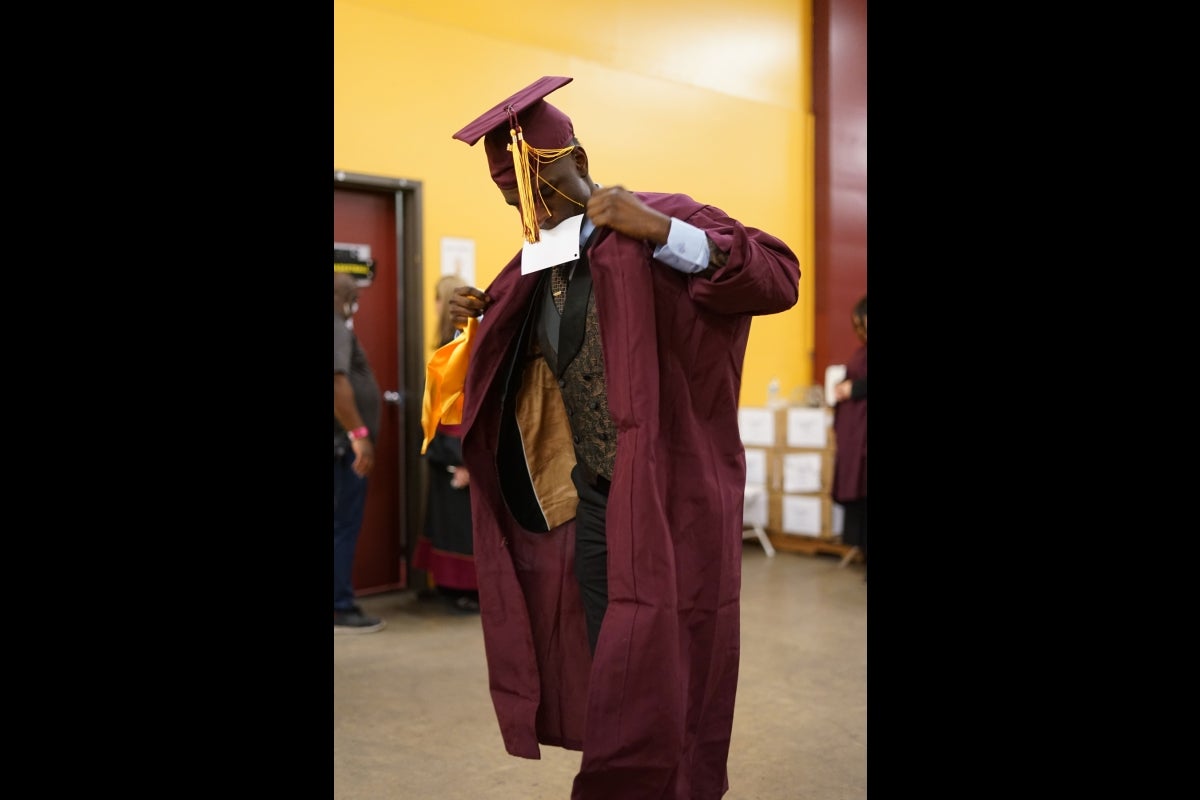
(517, 130)
(521, 129)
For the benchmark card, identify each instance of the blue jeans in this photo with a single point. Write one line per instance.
(349, 500)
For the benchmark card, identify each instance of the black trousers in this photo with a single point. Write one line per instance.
(854, 525)
(591, 547)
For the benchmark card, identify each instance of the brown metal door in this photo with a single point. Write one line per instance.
(365, 217)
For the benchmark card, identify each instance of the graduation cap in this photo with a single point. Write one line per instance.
(520, 133)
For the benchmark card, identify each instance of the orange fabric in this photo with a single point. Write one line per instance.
(445, 375)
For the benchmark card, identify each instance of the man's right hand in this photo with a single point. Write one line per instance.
(364, 456)
(466, 302)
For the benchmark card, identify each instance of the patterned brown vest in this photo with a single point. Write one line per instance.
(578, 364)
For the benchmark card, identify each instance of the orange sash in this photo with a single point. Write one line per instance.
(445, 376)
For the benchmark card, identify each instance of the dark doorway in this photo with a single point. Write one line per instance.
(384, 214)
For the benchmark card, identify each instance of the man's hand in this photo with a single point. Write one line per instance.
(467, 301)
(617, 208)
(364, 456)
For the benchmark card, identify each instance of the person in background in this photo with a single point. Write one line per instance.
(612, 628)
(445, 548)
(850, 432)
(356, 409)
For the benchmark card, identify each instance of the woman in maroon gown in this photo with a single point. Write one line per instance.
(850, 430)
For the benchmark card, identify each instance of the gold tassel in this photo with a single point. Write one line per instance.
(529, 223)
(527, 190)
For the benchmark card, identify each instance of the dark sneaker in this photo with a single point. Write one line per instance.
(464, 604)
(355, 621)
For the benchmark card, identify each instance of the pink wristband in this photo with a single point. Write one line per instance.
(360, 432)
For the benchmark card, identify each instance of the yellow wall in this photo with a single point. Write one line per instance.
(705, 97)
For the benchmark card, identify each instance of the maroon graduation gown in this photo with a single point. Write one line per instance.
(850, 433)
(653, 711)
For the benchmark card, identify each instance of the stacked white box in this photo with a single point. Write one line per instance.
(795, 447)
(756, 466)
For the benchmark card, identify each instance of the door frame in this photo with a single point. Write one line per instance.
(410, 310)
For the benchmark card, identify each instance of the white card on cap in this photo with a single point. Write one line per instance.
(559, 245)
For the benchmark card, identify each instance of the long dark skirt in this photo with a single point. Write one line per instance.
(445, 548)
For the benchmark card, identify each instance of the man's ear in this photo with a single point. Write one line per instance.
(581, 160)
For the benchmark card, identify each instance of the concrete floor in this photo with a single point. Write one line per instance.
(413, 718)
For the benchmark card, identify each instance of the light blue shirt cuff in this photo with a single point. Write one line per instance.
(686, 249)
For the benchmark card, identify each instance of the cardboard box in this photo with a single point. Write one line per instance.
(754, 510)
(807, 427)
(757, 426)
(756, 466)
(788, 426)
(798, 471)
(800, 514)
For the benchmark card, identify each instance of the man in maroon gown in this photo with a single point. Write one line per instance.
(612, 412)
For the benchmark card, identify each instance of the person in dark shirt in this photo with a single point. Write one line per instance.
(356, 410)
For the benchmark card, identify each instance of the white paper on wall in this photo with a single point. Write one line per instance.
(458, 258)
(839, 515)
